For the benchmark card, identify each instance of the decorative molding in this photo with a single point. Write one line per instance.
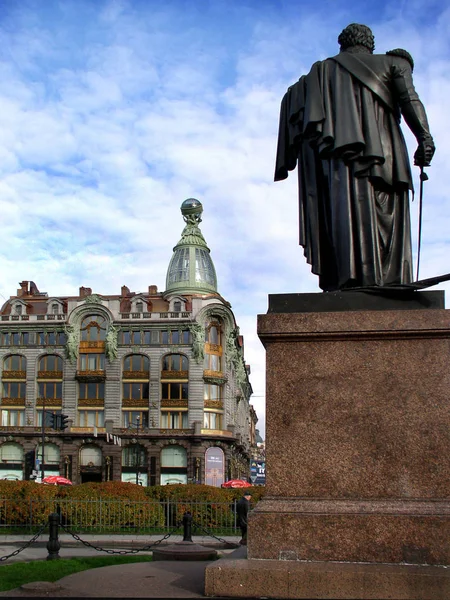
(214, 404)
(136, 375)
(50, 374)
(142, 403)
(214, 379)
(14, 375)
(89, 402)
(49, 402)
(72, 342)
(111, 342)
(13, 402)
(93, 299)
(175, 375)
(90, 376)
(174, 403)
(198, 341)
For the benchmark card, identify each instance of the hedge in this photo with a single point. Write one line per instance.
(125, 505)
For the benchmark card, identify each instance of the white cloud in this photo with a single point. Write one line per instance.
(112, 113)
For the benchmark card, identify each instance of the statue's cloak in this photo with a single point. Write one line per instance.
(353, 170)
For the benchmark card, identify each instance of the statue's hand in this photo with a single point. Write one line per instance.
(424, 153)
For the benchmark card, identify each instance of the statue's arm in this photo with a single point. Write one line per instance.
(413, 112)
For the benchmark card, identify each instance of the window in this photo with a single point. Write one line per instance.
(55, 308)
(174, 456)
(91, 391)
(139, 307)
(91, 418)
(212, 420)
(15, 362)
(179, 266)
(11, 453)
(14, 389)
(50, 338)
(92, 362)
(151, 337)
(173, 337)
(135, 391)
(15, 338)
(174, 419)
(134, 456)
(212, 335)
(48, 417)
(51, 453)
(136, 362)
(175, 362)
(212, 392)
(131, 418)
(125, 337)
(18, 309)
(186, 336)
(90, 455)
(13, 418)
(177, 306)
(50, 390)
(51, 363)
(174, 391)
(204, 270)
(93, 329)
(213, 362)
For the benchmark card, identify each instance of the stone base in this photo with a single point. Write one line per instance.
(184, 551)
(325, 580)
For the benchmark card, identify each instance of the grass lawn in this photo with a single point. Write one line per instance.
(14, 575)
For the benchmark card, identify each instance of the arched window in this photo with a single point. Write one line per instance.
(51, 454)
(175, 363)
(134, 464)
(15, 362)
(14, 386)
(136, 366)
(90, 456)
(50, 364)
(173, 465)
(11, 453)
(93, 329)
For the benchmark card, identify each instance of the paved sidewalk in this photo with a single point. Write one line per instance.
(161, 579)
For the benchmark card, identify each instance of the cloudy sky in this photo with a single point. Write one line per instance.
(114, 111)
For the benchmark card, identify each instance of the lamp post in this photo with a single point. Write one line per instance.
(137, 450)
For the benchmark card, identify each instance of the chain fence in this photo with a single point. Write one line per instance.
(26, 545)
(118, 516)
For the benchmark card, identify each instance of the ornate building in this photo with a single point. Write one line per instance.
(153, 386)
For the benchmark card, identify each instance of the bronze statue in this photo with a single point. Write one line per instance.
(340, 125)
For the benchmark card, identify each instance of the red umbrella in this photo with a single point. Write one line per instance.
(236, 483)
(56, 480)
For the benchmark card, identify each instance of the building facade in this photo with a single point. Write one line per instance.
(153, 386)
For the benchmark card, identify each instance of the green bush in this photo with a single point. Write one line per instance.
(116, 505)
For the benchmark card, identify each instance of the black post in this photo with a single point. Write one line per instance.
(138, 456)
(187, 527)
(53, 544)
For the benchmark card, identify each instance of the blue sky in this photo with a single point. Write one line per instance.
(114, 112)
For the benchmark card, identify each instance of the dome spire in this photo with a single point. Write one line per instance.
(191, 269)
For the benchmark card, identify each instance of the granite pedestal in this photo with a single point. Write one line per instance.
(357, 453)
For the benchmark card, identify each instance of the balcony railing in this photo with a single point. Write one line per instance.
(135, 375)
(91, 376)
(50, 374)
(174, 374)
(14, 375)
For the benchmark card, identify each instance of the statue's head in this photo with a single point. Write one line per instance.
(357, 35)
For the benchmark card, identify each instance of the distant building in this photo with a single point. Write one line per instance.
(154, 385)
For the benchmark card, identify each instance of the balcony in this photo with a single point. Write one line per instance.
(50, 375)
(48, 402)
(174, 403)
(136, 375)
(217, 404)
(14, 375)
(174, 374)
(217, 432)
(20, 402)
(87, 345)
(91, 376)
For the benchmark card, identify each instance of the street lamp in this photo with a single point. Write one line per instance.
(138, 420)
